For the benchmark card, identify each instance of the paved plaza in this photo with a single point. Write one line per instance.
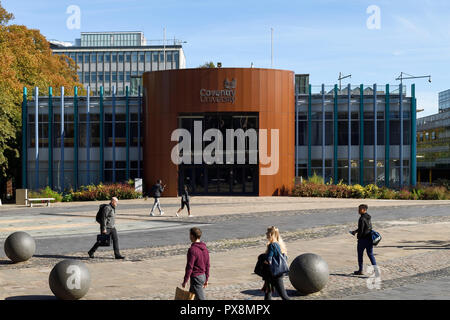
(413, 256)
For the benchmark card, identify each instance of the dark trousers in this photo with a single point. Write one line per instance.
(278, 284)
(197, 287)
(365, 244)
(115, 239)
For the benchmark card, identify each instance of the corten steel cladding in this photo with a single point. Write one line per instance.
(309, 273)
(19, 246)
(268, 92)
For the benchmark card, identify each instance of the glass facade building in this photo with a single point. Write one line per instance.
(359, 135)
(433, 147)
(444, 100)
(71, 141)
(118, 59)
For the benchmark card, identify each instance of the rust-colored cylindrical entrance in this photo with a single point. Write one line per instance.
(266, 94)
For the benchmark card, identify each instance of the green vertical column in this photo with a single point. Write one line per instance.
(309, 131)
(412, 167)
(127, 119)
(335, 135)
(24, 138)
(361, 134)
(387, 144)
(50, 137)
(75, 137)
(102, 130)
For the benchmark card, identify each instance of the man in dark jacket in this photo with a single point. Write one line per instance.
(108, 226)
(197, 266)
(364, 235)
(157, 190)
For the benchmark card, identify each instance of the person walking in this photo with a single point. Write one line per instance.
(107, 226)
(157, 190)
(275, 247)
(197, 266)
(364, 236)
(184, 202)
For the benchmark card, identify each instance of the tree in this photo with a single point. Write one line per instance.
(26, 61)
(208, 65)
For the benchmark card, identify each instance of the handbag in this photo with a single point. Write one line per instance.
(279, 265)
(376, 237)
(104, 239)
(259, 267)
(181, 294)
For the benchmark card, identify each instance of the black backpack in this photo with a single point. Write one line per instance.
(100, 213)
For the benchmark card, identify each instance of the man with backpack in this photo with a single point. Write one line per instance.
(156, 191)
(106, 218)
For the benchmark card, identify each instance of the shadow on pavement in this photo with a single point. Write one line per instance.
(32, 297)
(5, 262)
(421, 245)
(348, 275)
(259, 293)
(55, 256)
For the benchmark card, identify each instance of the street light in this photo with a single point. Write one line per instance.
(342, 77)
(401, 77)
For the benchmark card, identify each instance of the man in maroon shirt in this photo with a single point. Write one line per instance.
(197, 266)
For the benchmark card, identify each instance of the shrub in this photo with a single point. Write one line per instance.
(372, 191)
(316, 179)
(435, 193)
(386, 193)
(358, 191)
(404, 194)
(46, 193)
(105, 192)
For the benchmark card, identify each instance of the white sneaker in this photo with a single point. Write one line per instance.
(162, 212)
(151, 214)
(191, 215)
(176, 213)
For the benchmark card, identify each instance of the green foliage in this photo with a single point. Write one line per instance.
(46, 193)
(208, 65)
(318, 189)
(26, 61)
(105, 192)
(315, 179)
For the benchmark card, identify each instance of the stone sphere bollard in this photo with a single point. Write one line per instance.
(19, 246)
(69, 280)
(308, 273)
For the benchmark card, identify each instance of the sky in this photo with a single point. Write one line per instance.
(319, 37)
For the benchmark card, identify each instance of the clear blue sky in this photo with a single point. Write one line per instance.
(319, 37)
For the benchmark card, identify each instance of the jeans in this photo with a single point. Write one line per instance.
(156, 204)
(365, 244)
(115, 239)
(278, 284)
(197, 286)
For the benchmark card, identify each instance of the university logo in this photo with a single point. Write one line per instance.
(225, 95)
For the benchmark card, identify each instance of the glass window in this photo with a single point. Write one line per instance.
(128, 57)
(114, 76)
(134, 56)
(148, 56)
(93, 76)
(114, 57)
(120, 57)
(120, 75)
(155, 56)
(87, 57)
(80, 58)
(86, 77)
(100, 57)
(93, 58)
(107, 57)
(141, 57)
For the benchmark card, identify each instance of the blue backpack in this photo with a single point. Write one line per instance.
(376, 237)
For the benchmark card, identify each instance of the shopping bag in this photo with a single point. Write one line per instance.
(181, 294)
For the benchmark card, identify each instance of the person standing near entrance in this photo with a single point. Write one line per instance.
(185, 202)
(197, 266)
(107, 226)
(364, 235)
(157, 190)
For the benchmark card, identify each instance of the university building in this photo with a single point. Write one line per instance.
(362, 134)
